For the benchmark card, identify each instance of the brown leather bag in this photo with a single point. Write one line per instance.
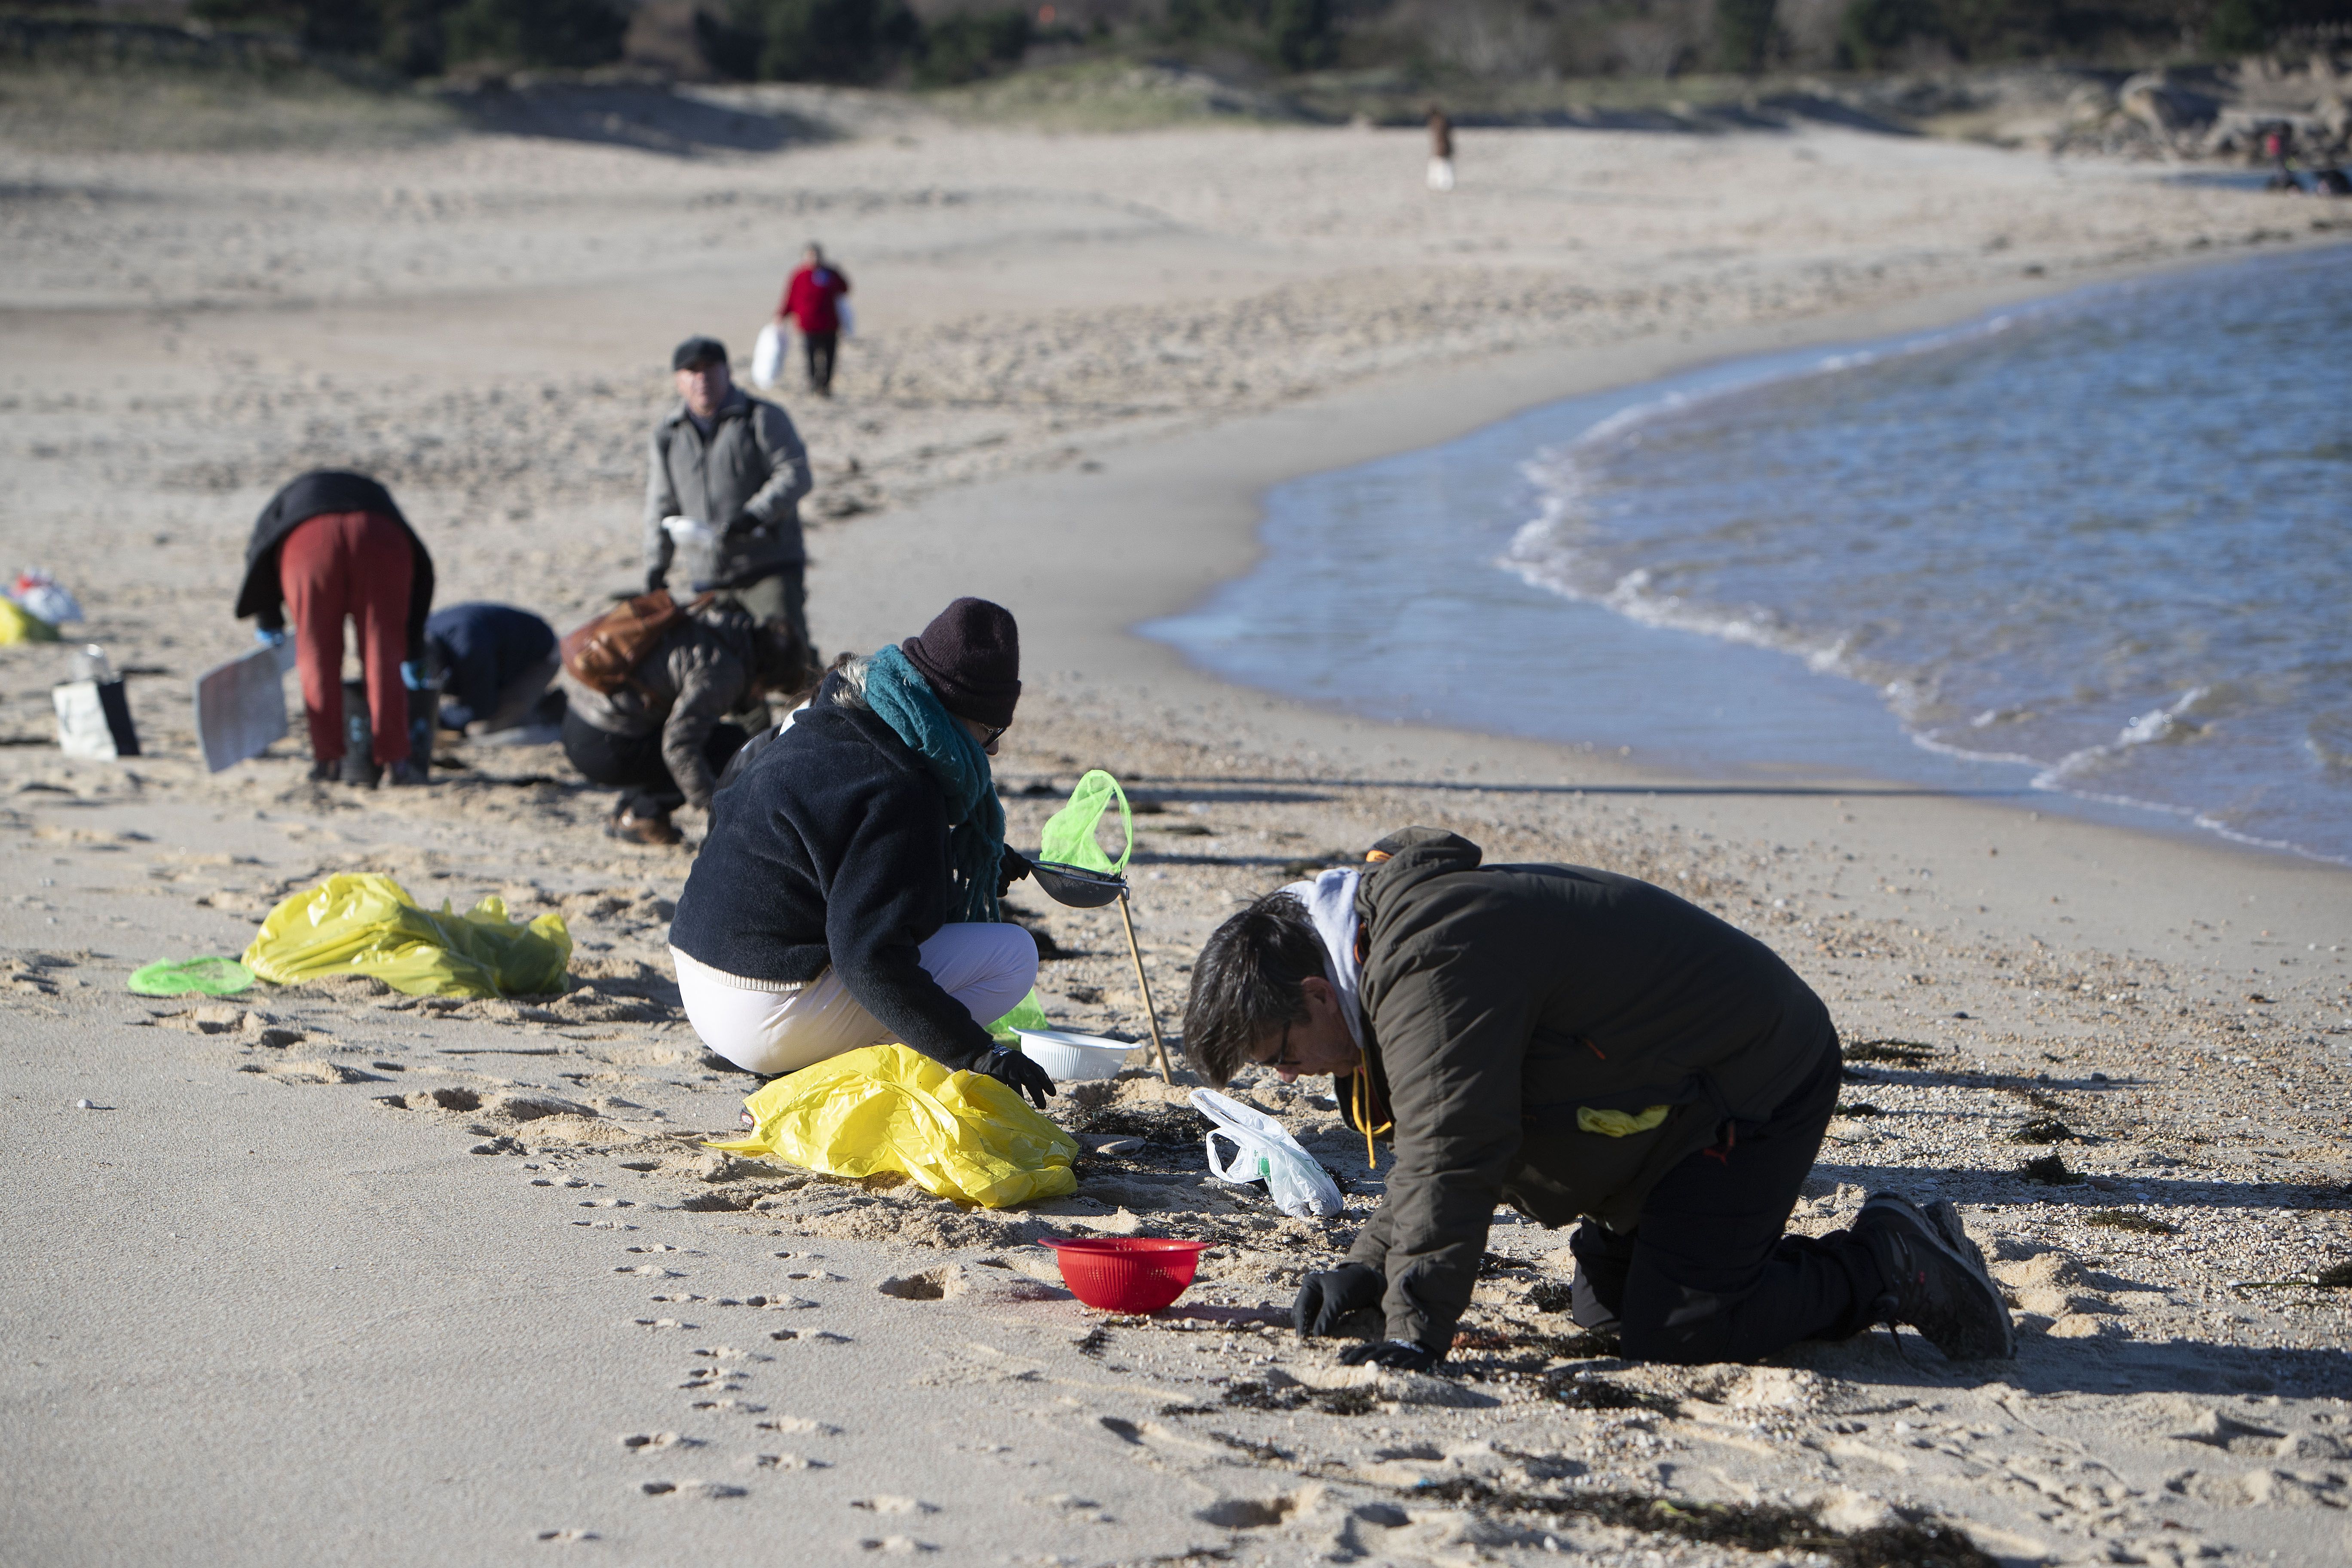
(604, 654)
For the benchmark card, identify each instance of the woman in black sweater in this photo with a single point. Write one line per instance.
(848, 892)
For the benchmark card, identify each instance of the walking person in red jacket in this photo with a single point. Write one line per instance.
(811, 300)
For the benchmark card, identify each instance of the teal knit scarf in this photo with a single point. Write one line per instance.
(897, 691)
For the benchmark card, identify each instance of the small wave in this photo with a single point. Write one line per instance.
(2328, 737)
(2168, 725)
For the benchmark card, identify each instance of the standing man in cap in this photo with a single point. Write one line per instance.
(734, 463)
(847, 893)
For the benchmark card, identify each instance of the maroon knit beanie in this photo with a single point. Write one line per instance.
(971, 654)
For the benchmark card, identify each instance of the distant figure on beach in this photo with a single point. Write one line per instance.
(2331, 181)
(1440, 150)
(816, 300)
(1587, 1048)
(735, 464)
(495, 664)
(848, 893)
(662, 737)
(332, 545)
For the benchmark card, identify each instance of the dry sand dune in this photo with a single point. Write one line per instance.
(329, 1274)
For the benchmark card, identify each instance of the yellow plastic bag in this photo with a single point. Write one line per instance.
(18, 623)
(960, 1135)
(365, 924)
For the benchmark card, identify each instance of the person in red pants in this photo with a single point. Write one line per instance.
(328, 546)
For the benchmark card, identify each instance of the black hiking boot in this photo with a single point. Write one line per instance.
(406, 774)
(1935, 1277)
(651, 828)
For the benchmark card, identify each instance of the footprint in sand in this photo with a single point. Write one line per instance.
(690, 1489)
(890, 1502)
(768, 1303)
(896, 1545)
(784, 1462)
(566, 1535)
(729, 1405)
(662, 1323)
(657, 1442)
(800, 1426)
(649, 1271)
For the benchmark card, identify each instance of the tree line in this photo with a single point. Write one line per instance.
(874, 41)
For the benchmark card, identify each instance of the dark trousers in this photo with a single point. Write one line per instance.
(780, 598)
(632, 764)
(1708, 1275)
(821, 347)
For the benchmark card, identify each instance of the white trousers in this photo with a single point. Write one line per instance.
(987, 966)
(1441, 173)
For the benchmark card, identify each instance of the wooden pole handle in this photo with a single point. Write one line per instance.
(1144, 985)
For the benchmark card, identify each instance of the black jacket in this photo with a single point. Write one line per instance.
(479, 650)
(324, 491)
(831, 850)
(1512, 1014)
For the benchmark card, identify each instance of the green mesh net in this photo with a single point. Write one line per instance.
(1069, 838)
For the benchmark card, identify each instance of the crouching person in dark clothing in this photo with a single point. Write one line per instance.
(662, 737)
(496, 664)
(848, 894)
(1581, 1046)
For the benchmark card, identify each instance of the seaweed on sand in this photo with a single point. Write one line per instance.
(1901, 1053)
(1329, 1401)
(2050, 1170)
(1167, 1124)
(1748, 1526)
(1583, 1391)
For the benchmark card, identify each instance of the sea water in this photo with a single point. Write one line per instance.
(2097, 550)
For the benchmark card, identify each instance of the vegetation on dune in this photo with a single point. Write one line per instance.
(947, 43)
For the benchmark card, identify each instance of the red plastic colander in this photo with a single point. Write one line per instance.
(1127, 1273)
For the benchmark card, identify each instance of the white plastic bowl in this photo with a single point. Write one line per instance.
(1067, 1056)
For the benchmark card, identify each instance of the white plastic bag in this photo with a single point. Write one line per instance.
(1264, 1148)
(39, 593)
(768, 357)
(694, 550)
(846, 317)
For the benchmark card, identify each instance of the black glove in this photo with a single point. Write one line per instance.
(1403, 1355)
(1010, 868)
(1009, 1067)
(741, 523)
(657, 579)
(1327, 1298)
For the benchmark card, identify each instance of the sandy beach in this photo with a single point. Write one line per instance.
(330, 1274)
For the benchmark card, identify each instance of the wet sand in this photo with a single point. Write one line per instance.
(331, 1273)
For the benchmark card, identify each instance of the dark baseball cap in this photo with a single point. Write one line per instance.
(696, 352)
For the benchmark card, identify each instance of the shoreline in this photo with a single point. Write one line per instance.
(1199, 634)
(1193, 505)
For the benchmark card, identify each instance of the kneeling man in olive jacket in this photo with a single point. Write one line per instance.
(1581, 1046)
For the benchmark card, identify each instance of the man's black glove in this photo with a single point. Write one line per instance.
(1010, 868)
(657, 579)
(1402, 1355)
(741, 523)
(1327, 1298)
(1009, 1067)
